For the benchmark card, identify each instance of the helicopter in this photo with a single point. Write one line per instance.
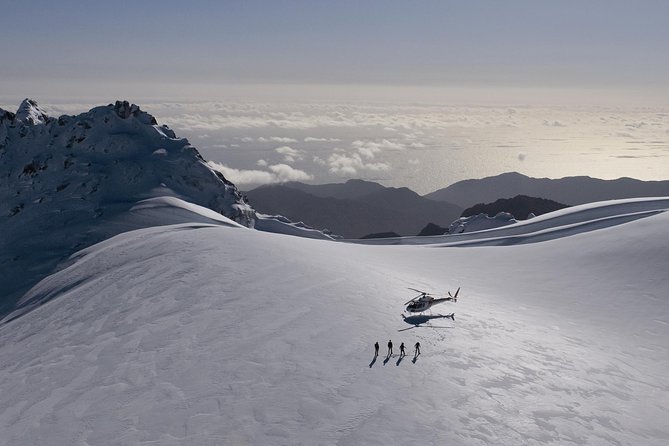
(425, 300)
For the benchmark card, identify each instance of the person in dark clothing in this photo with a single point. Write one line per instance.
(402, 350)
(417, 346)
(390, 348)
(376, 349)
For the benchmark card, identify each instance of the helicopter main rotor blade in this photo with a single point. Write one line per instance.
(413, 300)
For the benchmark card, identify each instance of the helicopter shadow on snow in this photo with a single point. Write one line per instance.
(423, 320)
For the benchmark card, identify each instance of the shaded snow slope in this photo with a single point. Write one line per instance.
(62, 179)
(205, 334)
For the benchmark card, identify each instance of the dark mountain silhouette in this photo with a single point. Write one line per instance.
(519, 206)
(352, 189)
(352, 209)
(432, 229)
(570, 190)
(342, 217)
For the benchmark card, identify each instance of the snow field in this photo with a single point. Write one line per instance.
(204, 334)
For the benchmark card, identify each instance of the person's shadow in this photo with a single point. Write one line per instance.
(400, 359)
(385, 361)
(373, 361)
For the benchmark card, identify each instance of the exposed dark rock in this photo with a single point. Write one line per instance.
(432, 229)
(381, 235)
(520, 207)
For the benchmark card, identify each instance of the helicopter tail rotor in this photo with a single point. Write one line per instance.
(454, 297)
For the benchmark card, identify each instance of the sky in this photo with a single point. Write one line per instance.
(420, 94)
(186, 49)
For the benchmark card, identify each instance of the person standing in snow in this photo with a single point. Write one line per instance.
(376, 349)
(417, 346)
(402, 350)
(390, 348)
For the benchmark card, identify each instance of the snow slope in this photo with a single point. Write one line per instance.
(208, 333)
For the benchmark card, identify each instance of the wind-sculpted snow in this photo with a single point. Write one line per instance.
(197, 334)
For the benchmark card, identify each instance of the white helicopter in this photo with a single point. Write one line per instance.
(424, 301)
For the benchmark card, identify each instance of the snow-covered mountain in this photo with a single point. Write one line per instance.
(69, 182)
(114, 154)
(201, 333)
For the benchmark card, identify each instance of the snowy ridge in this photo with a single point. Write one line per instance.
(213, 334)
(279, 224)
(550, 226)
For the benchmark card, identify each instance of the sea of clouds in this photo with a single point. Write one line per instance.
(424, 147)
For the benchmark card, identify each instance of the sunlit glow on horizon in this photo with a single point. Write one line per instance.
(73, 91)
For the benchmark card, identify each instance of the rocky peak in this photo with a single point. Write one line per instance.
(30, 113)
(125, 110)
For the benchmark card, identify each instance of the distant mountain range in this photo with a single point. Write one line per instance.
(520, 206)
(358, 208)
(353, 209)
(570, 190)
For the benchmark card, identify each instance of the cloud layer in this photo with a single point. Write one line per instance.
(423, 147)
(429, 147)
(277, 173)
